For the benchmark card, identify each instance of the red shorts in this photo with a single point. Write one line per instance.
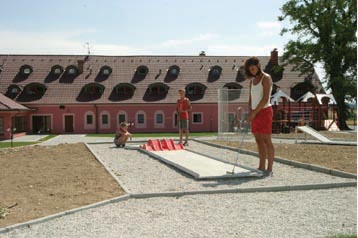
(262, 123)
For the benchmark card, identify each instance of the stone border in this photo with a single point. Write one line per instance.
(315, 168)
(282, 188)
(61, 214)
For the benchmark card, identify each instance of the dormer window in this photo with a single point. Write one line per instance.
(174, 70)
(234, 91)
(142, 70)
(26, 69)
(233, 86)
(214, 73)
(57, 70)
(124, 89)
(106, 70)
(93, 89)
(12, 91)
(72, 70)
(35, 89)
(195, 89)
(240, 77)
(172, 73)
(157, 89)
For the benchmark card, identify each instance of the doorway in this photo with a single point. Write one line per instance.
(68, 123)
(41, 124)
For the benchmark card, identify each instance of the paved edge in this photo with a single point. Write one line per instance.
(125, 189)
(316, 168)
(68, 212)
(284, 188)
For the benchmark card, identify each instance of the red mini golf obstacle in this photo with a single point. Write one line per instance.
(198, 165)
(160, 145)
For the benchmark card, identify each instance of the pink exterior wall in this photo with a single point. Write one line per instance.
(209, 118)
(8, 124)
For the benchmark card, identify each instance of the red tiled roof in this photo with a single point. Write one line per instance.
(192, 69)
(6, 104)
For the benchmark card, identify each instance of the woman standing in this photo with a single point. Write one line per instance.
(261, 112)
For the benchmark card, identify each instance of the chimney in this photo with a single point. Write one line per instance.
(274, 57)
(80, 64)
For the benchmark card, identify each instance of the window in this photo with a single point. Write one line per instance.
(12, 91)
(197, 118)
(140, 118)
(104, 119)
(1, 126)
(159, 118)
(121, 118)
(26, 69)
(57, 69)
(214, 73)
(93, 90)
(174, 70)
(142, 70)
(195, 89)
(72, 70)
(15, 90)
(35, 89)
(158, 89)
(19, 123)
(89, 119)
(106, 70)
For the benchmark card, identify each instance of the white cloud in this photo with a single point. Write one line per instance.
(269, 28)
(242, 50)
(69, 43)
(269, 25)
(195, 39)
(12, 42)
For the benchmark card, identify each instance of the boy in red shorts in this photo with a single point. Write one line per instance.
(261, 112)
(183, 108)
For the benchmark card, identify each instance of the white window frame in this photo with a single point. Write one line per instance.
(141, 125)
(202, 118)
(159, 125)
(105, 126)
(89, 126)
(121, 113)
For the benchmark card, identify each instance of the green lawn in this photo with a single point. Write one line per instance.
(15, 144)
(173, 134)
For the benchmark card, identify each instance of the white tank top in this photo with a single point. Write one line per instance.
(257, 92)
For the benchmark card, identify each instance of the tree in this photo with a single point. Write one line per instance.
(326, 34)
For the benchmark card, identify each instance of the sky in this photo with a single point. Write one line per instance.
(141, 27)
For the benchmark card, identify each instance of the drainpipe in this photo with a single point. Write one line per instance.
(96, 109)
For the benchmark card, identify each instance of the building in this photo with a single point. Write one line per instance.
(93, 94)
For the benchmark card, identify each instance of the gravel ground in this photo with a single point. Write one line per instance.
(315, 213)
(143, 174)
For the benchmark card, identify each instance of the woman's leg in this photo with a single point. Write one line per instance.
(262, 150)
(270, 150)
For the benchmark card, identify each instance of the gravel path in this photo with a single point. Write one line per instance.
(315, 213)
(310, 213)
(143, 174)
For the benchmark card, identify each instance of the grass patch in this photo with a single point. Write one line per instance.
(171, 134)
(48, 137)
(15, 144)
